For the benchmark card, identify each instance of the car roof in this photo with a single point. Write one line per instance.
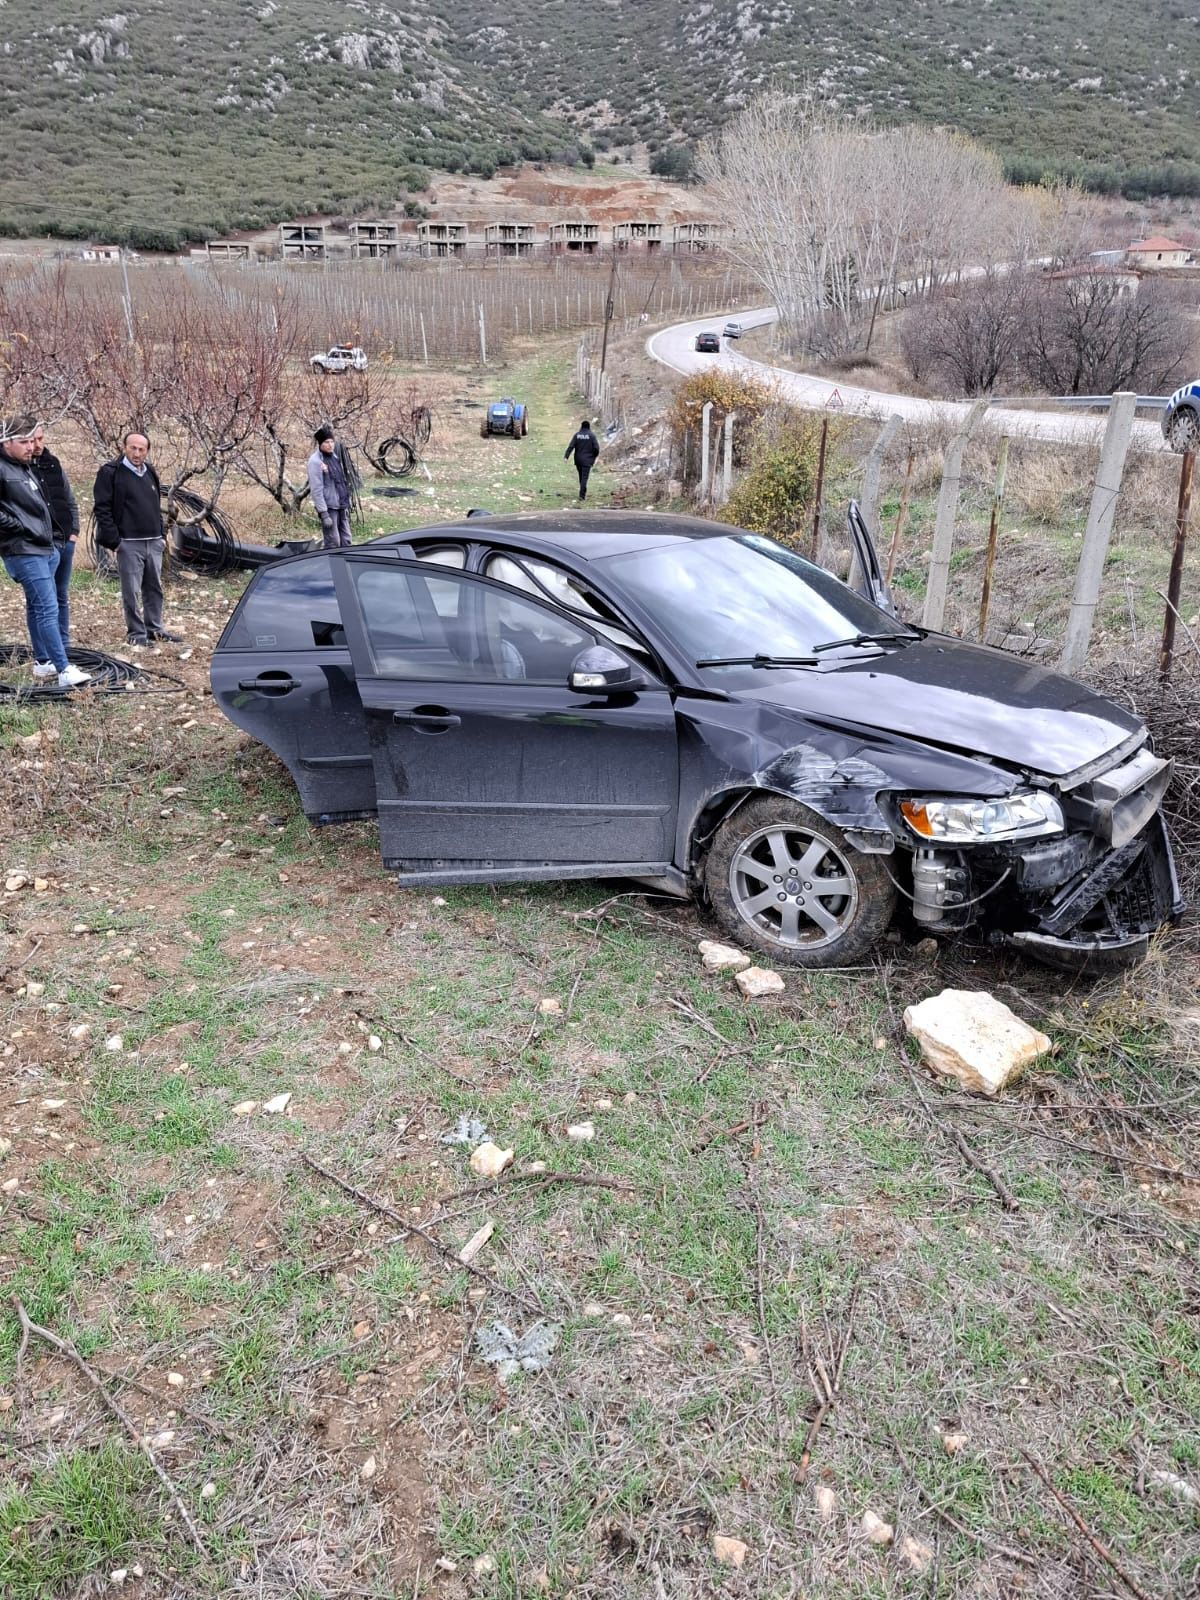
(587, 535)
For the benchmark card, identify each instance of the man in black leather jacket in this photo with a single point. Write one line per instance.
(28, 551)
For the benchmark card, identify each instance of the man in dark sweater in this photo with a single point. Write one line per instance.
(585, 447)
(129, 520)
(64, 513)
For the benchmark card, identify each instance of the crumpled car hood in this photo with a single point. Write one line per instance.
(962, 697)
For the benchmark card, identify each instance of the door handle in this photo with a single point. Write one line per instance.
(265, 684)
(428, 719)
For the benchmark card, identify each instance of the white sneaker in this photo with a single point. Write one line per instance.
(73, 677)
(44, 669)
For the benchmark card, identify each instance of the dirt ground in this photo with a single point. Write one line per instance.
(784, 1297)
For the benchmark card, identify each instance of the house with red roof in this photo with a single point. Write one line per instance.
(1157, 253)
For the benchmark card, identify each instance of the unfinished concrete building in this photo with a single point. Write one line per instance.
(695, 236)
(302, 241)
(581, 236)
(640, 233)
(509, 239)
(228, 250)
(443, 238)
(374, 241)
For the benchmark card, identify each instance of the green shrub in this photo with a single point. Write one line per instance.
(775, 495)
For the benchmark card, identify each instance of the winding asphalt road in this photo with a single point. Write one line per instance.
(675, 347)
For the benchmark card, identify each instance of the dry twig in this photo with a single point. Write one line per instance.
(1105, 1555)
(417, 1232)
(68, 1350)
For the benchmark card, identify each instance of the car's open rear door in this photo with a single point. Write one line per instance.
(866, 572)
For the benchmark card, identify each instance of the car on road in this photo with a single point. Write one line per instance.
(339, 358)
(1181, 418)
(632, 695)
(708, 343)
(733, 330)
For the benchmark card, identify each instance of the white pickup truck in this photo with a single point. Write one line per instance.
(340, 358)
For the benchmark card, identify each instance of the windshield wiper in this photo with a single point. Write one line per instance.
(868, 638)
(758, 661)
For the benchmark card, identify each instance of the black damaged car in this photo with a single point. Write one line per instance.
(632, 695)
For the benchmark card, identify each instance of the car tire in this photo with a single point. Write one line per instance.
(809, 927)
(1183, 430)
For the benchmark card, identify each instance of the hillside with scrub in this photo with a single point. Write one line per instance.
(167, 122)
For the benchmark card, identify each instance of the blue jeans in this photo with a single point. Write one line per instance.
(35, 574)
(62, 585)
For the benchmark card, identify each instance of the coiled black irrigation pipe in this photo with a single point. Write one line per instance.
(109, 675)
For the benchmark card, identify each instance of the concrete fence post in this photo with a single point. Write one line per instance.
(1098, 531)
(872, 473)
(705, 453)
(943, 530)
(727, 463)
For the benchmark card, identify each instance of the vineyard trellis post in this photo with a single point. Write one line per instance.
(1175, 581)
(727, 462)
(705, 450)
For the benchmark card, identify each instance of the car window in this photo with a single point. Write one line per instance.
(742, 596)
(444, 598)
(456, 630)
(555, 583)
(289, 607)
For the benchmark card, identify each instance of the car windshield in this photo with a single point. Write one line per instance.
(744, 596)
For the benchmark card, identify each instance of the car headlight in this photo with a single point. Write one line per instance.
(1028, 815)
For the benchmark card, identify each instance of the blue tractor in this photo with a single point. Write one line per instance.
(505, 416)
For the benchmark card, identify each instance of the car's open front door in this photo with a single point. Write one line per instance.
(487, 764)
(866, 573)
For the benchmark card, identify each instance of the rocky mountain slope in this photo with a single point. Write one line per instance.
(170, 119)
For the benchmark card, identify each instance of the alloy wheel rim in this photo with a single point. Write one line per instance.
(794, 886)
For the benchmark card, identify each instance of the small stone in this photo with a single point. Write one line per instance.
(53, 1107)
(34, 989)
(1174, 1484)
(879, 1043)
(208, 1491)
(162, 1439)
(826, 1502)
(755, 982)
(489, 1161)
(482, 1566)
(622, 1319)
(927, 949)
(41, 885)
(952, 1443)
(368, 1469)
(593, 1308)
(535, 1167)
(80, 1031)
(117, 1576)
(974, 1038)
(581, 1132)
(876, 1530)
(15, 881)
(603, 1105)
(629, 1097)
(277, 1104)
(344, 1048)
(438, 900)
(245, 1107)
(444, 1564)
(915, 1555)
(10, 1185)
(722, 957)
(549, 1007)
(374, 1042)
(176, 1380)
(729, 1552)
(114, 1043)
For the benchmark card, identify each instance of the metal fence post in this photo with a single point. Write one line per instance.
(1096, 535)
(1175, 581)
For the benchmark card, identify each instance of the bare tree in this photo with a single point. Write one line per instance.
(967, 339)
(1090, 332)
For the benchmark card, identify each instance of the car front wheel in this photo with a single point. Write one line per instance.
(783, 881)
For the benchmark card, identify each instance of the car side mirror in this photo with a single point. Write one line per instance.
(599, 670)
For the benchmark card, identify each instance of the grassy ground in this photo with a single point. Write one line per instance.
(766, 1200)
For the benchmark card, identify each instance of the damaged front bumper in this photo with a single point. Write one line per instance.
(1076, 902)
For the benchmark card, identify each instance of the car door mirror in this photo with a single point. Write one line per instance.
(599, 670)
